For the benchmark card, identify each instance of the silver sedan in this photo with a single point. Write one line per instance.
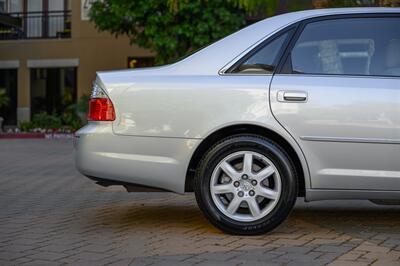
(305, 104)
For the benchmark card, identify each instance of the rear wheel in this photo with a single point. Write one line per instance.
(246, 185)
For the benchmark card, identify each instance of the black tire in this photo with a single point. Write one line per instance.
(264, 146)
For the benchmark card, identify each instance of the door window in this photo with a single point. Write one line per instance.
(353, 46)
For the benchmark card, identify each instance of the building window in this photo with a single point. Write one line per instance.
(138, 62)
(9, 6)
(3, 7)
(47, 18)
(16, 6)
(53, 90)
(8, 82)
(37, 18)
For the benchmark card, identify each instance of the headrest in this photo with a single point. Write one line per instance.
(331, 61)
(393, 54)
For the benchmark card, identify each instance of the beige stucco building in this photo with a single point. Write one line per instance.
(50, 52)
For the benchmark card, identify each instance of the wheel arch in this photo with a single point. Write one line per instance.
(227, 131)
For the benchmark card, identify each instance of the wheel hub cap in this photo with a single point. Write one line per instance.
(246, 185)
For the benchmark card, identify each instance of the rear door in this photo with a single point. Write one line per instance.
(338, 95)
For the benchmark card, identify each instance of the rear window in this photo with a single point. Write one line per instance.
(264, 59)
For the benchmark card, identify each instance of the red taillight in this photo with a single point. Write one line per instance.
(101, 109)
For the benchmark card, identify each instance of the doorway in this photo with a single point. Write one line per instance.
(53, 90)
(8, 82)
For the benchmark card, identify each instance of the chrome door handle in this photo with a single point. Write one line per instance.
(292, 96)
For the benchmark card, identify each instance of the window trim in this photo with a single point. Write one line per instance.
(283, 67)
(227, 70)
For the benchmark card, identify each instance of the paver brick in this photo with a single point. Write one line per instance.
(51, 215)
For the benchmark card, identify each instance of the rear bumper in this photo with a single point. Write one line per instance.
(147, 161)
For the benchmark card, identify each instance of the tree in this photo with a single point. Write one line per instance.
(354, 3)
(170, 32)
(389, 3)
(174, 28)
(268, 7)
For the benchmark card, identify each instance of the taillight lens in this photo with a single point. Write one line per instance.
(100, 106)
(101, 109)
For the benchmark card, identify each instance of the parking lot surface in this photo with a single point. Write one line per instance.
(51, 215)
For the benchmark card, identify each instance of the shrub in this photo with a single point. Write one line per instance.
(71, 120)
(82, 105)
(4, 100)
(46, 121)
(26, 126)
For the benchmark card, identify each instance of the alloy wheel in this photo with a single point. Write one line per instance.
(245, 186)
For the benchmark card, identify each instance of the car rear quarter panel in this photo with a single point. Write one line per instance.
(189, 107)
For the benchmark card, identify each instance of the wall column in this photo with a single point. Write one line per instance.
(24, 93)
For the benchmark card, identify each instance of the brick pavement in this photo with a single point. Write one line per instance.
(51, 215)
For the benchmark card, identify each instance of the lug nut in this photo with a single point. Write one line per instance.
(240, 194)
(245, 176)
(254, 182)
(236, 183)
(252, 193)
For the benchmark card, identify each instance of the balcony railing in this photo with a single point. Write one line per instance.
(36, 25)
